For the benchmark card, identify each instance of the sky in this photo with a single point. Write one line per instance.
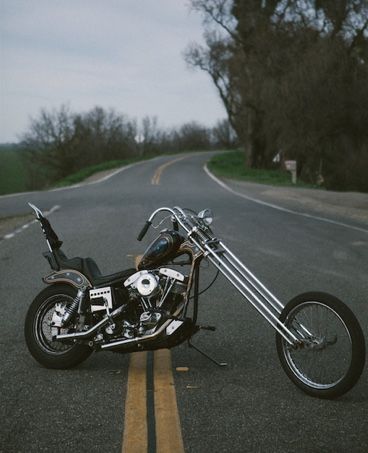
(121, 54)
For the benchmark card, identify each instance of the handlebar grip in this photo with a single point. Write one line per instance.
(144, 230)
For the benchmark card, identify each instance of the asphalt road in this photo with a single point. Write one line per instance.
(250, 406)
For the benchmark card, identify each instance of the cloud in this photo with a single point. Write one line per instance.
(124, 54)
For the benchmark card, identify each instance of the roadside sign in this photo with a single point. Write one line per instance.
(291, 166)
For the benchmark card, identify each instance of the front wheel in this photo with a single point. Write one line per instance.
(51, 353)
(329, 356)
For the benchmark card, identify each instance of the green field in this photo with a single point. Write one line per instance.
(12, 170)
(232, 165)
(13, 173)
(88, 171)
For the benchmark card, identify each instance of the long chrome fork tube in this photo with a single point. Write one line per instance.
(248, 285)
(246, 273)
(259, 286)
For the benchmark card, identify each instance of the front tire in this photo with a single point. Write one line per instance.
(47, 351)
(329, 358)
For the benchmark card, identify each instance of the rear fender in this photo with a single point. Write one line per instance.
(69, 276)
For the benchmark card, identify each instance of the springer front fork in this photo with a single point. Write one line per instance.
(249, 286)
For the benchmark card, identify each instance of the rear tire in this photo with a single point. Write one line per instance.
(48, 352)
(331, 354)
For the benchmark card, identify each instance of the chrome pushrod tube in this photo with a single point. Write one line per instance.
(136, 340)
(251, 275)
(260, 289)
(260, 308)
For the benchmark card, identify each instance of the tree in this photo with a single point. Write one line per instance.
(193, 137)
(235, 62)
(223, 135)
(151, 135)
(61, 142)
(47, 144)
(286, 71)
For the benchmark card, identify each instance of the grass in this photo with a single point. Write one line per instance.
(12, 171)
(81, 175)
(232, 165)
(13, 174)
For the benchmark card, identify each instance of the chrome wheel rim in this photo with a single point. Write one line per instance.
(323, 357)
(42, 325)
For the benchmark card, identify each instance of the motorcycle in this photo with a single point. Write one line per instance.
(319, 341)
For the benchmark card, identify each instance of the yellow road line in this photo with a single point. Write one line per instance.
(168, 437)
(135, 422)
(168, 431)
(157, 176)
(167, 422)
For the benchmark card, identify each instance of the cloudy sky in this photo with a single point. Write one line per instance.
(125, 54)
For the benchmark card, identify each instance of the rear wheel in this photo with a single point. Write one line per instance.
(329, 357)
(38, 329)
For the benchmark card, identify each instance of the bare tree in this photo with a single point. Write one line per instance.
(287, 71)
(61, 142)
(151, 135)
(48, 142)
(224, 135)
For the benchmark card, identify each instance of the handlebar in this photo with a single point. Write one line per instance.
(185, 218)
(144, 230)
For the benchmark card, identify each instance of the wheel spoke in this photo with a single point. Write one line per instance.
(43, 326)
(318, 362)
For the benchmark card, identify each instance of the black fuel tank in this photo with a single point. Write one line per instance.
(161, 250)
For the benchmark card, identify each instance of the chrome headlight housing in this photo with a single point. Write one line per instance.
(206, 216)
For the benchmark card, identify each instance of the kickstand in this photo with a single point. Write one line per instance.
(191, 345)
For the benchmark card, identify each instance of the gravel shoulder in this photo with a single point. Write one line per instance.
(348, 206)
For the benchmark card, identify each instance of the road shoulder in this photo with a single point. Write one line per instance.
(9, 224)
(347, 206)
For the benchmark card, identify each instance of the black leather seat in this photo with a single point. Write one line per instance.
(89, 268)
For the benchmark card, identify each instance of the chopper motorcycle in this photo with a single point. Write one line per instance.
(319, 341)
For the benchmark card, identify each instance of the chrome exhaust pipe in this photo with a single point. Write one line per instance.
(136, 340)
(88, 333)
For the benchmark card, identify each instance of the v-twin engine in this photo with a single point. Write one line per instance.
(160, 294)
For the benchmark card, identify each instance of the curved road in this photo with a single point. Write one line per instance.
(248, 407)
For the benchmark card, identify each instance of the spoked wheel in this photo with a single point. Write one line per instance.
(329, 356)
(51, 303)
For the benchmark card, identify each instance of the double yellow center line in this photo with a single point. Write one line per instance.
(151, 419)
(152, 422)
(157, 175)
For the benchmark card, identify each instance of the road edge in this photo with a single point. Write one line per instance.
(280, 208)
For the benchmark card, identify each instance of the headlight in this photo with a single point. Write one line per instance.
(206, 216)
